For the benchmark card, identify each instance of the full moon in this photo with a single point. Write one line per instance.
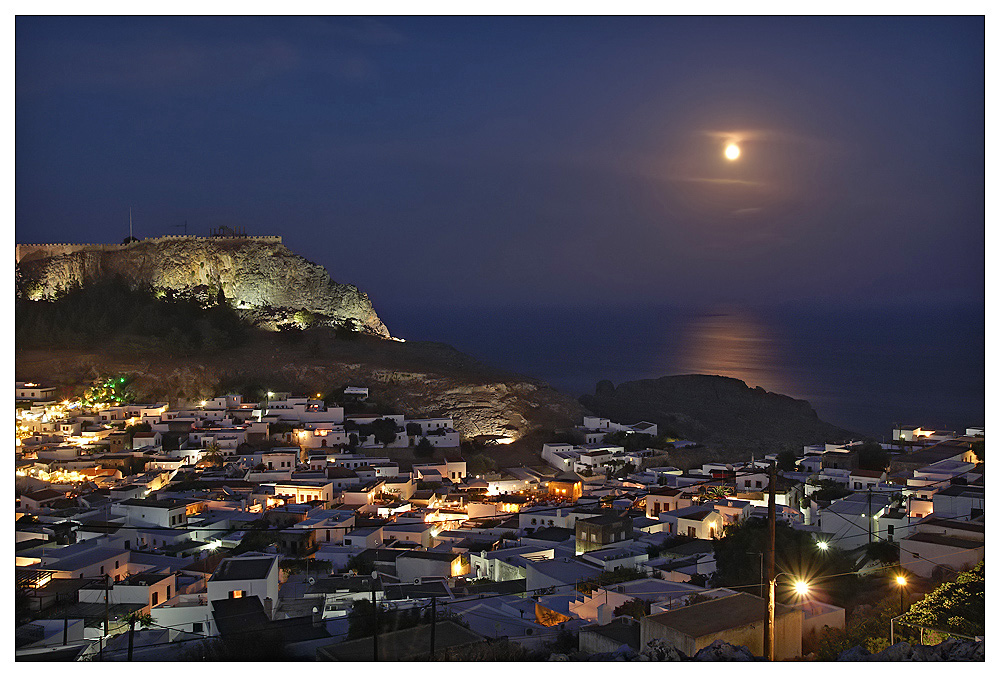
(732, 151)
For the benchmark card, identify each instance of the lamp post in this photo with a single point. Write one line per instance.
(801, 588)
(901, 582)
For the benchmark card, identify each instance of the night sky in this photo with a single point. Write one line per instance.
(552, 161)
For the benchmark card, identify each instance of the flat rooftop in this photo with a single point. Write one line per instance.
(716, 615)
(243, 568)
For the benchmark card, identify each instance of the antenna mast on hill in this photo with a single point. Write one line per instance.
(130, 223)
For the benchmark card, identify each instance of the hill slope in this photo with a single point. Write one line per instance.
(414, 377)
(715, 410)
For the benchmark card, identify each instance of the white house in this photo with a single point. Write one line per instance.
(695, 521)
(149, 512)
(946, 543)
(560, 456)
(33, 391)
(249, 574)
(853, 518)
(665, 499)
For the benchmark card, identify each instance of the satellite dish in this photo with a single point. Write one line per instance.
(375, 575)
(312, 581)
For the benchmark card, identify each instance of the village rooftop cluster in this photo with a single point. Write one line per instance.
(142, 530)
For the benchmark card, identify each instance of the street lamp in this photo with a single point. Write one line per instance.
(823, 545)
(901, 582)
(801, 588)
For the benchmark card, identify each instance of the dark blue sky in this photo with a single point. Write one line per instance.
(576, 161)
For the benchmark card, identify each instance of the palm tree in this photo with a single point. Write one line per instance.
(213, 453)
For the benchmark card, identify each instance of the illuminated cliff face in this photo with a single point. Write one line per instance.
(261, 277)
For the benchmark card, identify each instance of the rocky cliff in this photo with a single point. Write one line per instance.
(261, 277)
(715, 410)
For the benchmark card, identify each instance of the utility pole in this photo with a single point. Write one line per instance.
(433, 622)
(375, 613)
(869, 514)
(131, 631)
(107, 603)
(769, 628)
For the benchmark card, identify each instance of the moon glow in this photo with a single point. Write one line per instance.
(732, 151)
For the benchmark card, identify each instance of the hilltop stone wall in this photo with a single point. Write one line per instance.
(259, 275)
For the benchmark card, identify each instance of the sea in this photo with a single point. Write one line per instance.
(865, 370)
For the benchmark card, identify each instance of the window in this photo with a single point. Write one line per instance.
(102, 571)
(692, 532)
(759, 484)
(156, 598)
(235, 594)
(116, 564)
(857, 485)
(168, 592)
(197, 627)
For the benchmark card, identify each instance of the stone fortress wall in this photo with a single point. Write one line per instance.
(30, 252)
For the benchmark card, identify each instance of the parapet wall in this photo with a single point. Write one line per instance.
(27, 252)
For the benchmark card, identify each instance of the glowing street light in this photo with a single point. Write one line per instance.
(901, 582)
(823, 545)
(801, 588)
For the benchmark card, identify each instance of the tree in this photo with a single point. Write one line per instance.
(137, 428)
(384, 430)
(871, 456)
(132, 618)
(883, 551)
(868, 626)
(958, 606)
(412, 429)
(787, 460)
(424, 448)
(979, 449)
(213, 454)
(830, 490)
(480, 464)
(636, 608)
(630, 441)
(739, 564)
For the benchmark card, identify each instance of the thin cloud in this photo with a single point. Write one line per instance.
(746, 211)
(773, 135)
(733, 182)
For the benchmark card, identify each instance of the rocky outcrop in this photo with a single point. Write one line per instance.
(714, 410)
(262, 278)
(657, 650)
(949, 650)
